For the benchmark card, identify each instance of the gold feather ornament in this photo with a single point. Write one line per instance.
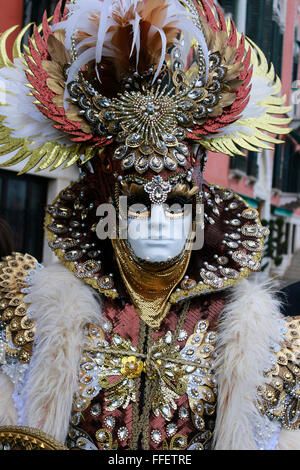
(149, 77)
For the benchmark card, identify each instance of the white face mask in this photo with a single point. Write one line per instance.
(158, 235)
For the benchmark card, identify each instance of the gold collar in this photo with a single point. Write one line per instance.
(150, 285)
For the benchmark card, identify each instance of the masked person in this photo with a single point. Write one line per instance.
(147, 335)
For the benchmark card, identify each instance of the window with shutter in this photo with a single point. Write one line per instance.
(264, 29)
(287, 238)
(252, 164)
(22, 202)
(247, 165)
(295, 227)
(34, 11)
(277, 167)
(290, 169)
(238, 163)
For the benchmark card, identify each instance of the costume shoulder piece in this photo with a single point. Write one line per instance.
(24, 438)
(16, 329)
(281, 394)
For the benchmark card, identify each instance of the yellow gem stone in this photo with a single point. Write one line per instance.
(132, 367)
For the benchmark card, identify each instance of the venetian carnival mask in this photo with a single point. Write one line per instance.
(159, 232)
(125, 89)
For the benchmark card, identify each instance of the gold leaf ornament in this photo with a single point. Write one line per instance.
(256, 135)
(50, 155)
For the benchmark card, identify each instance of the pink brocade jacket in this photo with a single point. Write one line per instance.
(145, 389)
(221, 372)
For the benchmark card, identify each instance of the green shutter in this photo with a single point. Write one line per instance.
(265, 31)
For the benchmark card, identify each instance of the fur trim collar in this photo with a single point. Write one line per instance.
(250, 324)
(62, 305)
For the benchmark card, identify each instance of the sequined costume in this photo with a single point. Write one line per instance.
(106, 350)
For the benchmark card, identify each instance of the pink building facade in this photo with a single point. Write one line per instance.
(274, 188)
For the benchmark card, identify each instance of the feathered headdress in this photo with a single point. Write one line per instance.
(141, 79)
(125, 88)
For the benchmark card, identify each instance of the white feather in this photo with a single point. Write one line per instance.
(21, 114)
(8, 412)
(53, 376)
(77, 16)
(80, 19)
(83, 59)
(163, 51)
(289, 440)
(260, 91)
(251, 322)
(136, 42)
(102, 29)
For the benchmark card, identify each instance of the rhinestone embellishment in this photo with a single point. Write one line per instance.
(96, 410)
(252, 245)
(188, 284)
(88, 269)
(235, 222)
(110, 422)
(250, 214)
(227, 195)
(230, 273)
(246, 260)
(158, 190)
(182, 335)
(123, 433)
(171, 429)
(156, 436)
(223, 260)
(106, 282)
(212, 279)
(250, 230)
(183, 413)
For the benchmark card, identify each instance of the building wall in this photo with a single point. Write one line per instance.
(287, 13)
(11, 15)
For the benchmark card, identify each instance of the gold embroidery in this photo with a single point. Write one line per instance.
(132, 367)
(100, 362)
(24, 438)
(19, 329)
(105, 438)
(201, 386)
(280, 396)
(171, 373)
(177, 442)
